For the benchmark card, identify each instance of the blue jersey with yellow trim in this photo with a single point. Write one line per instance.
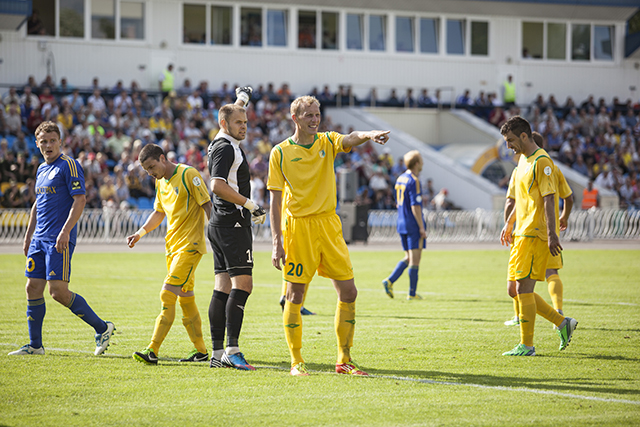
(56, 184)
(408, 194)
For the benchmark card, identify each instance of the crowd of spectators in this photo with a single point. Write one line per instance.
(105, 129)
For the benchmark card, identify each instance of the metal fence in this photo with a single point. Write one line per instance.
(111, 226)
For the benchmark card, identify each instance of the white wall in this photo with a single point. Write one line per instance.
(80, 61)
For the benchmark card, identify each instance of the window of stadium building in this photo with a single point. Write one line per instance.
(479, 38)
(277, 24)
(455, 36)
(548, 40)
(72, 18)
(131, 20)
(377, 33)
(103, 19)
(251, 26)
(330, 27)
(429, 35)
(355, 32)
(221, 19)
(194, 23)
(307, 29)
(405, 34)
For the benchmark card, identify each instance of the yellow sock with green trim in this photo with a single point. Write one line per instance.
(555, 290)
(292, 321)
(164, 319)
(345, 324)
(527, 307)
(546, 311)
(192, 322)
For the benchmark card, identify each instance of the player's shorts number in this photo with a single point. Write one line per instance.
(295, 267)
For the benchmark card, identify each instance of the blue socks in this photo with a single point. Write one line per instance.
(397, 272)
(413, 280)
(36, 310)
(80, 308)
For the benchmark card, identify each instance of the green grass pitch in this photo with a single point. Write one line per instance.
(433, 362)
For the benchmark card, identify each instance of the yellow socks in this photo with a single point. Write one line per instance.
(555, 290)
(192, 322)
(292, 321)
(164, 320)
(527, 303)
(546, 311)
(345, 323)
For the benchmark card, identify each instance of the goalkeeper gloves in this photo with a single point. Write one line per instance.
(258, 214)
(244, 94)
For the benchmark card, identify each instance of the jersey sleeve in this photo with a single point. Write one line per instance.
(220, 161)
(75, 178)
(511, 191)
(196, 187)
(564, 190)
(544, 169)
(336, 140)
(275, 180)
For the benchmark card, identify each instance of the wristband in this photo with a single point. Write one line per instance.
(141, 232)
(250, 204)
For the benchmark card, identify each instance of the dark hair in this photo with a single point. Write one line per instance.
(47, 127)
(226, 111)
(150, 151)
(517, 125)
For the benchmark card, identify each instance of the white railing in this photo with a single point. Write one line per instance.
(111, 226)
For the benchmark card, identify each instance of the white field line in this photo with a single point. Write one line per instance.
(391, 377)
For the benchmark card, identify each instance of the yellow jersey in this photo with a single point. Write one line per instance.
(306, 175)
(559, 182)
(532, 182)
(180, 198)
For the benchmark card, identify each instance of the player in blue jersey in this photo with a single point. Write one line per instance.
(411, 225)
(51, 238)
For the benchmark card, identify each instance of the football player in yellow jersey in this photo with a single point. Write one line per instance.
(183, 198)
(555, 262)
(310, 238)
(535, 235)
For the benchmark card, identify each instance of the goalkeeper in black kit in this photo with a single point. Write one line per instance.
(229, 232)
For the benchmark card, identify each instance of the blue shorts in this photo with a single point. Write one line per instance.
(44, 262)
(412, 241)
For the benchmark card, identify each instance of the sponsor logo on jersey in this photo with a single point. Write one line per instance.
(75, 185)
(353, 322)
(46, 190)
(237, 225)
(52, 273)
(296, 159)
(292, 325)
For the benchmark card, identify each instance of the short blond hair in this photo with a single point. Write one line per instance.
(302, 101)
(411, 158)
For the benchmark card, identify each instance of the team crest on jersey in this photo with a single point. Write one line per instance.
(75, 185)
(196, 181)
(52, 173)
(322, 154)
(176, 190)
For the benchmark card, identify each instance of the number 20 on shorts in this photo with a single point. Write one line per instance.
(295, 269)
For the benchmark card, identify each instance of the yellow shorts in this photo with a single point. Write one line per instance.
(555, 262)
(315, 243)
(181, 268)
(528, 259)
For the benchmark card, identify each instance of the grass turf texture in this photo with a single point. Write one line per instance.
(434, 362)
